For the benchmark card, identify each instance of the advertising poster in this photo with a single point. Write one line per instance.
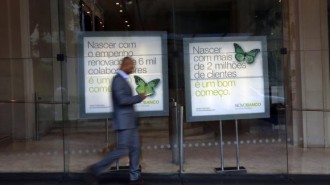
(226, 78)
(101, 54)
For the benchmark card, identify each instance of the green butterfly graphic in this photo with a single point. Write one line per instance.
(240, 55)
(147, 88)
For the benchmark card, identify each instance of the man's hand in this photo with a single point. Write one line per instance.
(143, 95)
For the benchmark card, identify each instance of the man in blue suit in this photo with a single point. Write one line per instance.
(125, 123)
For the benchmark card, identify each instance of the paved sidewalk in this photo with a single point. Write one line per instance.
(120, 178)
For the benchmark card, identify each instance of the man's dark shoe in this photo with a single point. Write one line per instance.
(91, 178)
(138, 181)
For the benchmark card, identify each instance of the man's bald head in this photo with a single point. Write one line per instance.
(127, 65)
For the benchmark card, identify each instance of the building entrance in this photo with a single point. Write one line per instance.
(217, 74)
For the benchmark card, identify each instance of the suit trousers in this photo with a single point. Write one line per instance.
(128, 143)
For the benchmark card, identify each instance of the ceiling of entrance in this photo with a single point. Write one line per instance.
(156, 14)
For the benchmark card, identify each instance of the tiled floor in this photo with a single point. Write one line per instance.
(259, 154)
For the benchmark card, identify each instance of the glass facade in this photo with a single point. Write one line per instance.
(43, 95)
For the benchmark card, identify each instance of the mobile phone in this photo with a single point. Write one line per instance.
(150, 94)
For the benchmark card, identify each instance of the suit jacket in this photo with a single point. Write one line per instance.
(124, 115)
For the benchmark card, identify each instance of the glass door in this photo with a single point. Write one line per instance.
(216, 53)
(88, 131)
(32, 104)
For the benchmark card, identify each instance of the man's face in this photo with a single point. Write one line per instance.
(129, 66)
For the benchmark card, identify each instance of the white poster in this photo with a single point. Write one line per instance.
(226, 79)
(101, 58)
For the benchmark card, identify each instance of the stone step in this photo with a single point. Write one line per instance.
(203, 136)
(149, 132)
(209, 136)
(5, 139)
(153, 126)
(165, 133)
